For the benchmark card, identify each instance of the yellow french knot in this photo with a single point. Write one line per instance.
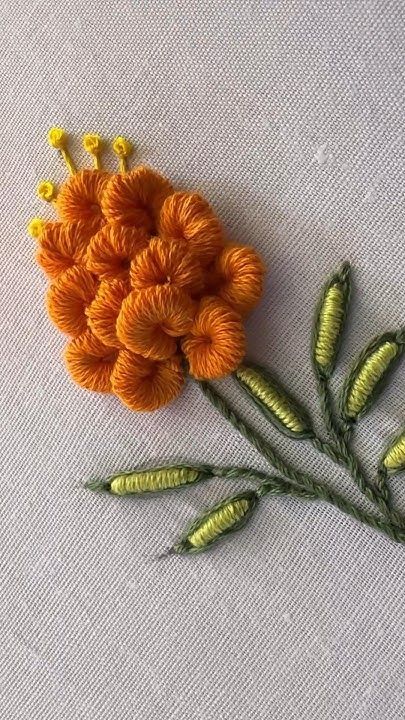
(92, 143)
(35, 227)
(122, 147)
(57, 138)
(46, 190)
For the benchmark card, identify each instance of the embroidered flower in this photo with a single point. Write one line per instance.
(147, 288)
(143, 280)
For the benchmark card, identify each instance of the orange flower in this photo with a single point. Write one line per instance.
(238, 275)
(112, 249)
(144, 384)
(80, 198)
(143, 280)
(103, 312)
(215, 345)
(167, 263)
(90, 362)
(150, 321)
(61, 246)
(68, 297)
(187, 216)
(135, 198)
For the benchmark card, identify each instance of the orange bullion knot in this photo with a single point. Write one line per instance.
(142, 279)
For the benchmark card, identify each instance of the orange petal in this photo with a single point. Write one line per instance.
(135, 198)
(144, 384)
(90, 362)
(112, 249)
(103, 312)
(80, 198)
(166, 263)
(238, 276)
(151, 319)
(61, 246)
(188, 216)
(67, 299)
(215, 345)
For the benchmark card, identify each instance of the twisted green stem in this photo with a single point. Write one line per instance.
(326, 402)
(381, 482)
(272, 485)
(278, 486)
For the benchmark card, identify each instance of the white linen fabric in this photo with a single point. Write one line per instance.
(288, 116)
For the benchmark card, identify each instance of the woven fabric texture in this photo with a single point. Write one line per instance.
(288, 117)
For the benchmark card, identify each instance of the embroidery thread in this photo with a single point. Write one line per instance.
(226, 517)
(393, 459)
(275, 402)
(369, 374)
(142, 279)
(149, 290)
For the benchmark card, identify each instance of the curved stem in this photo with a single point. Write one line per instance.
(342, 456)
(328, 449)
(233, 473)
(302, 479)
(381, 481)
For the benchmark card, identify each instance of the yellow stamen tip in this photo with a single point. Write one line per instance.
(122, 147)
(35, 227)
(92, 143)
(57, 137)
(46, 190)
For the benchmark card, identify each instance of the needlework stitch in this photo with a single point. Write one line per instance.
(149, 289)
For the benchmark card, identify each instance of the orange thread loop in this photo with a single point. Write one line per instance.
(141, 279)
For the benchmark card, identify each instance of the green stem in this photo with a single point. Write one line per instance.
(328, 449)
(381, 483)
(278, 486)
(302, 479)
(328, 411)
(344, 453)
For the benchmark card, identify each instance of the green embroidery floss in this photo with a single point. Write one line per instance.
(274, 401)
(226, 517)
(393, 460)
(138, 482)
(369, 374)
(330, 319)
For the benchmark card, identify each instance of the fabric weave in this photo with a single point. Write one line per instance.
(288, 117)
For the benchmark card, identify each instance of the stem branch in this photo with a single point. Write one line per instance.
(277, 486)
(301, 482)
(344, 453)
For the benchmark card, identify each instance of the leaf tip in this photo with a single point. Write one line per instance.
(97, 485)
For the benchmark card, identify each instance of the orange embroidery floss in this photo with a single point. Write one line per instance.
(80, 196)
(103, 312)
(62, 246)
(215, 345)
(142, 279)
